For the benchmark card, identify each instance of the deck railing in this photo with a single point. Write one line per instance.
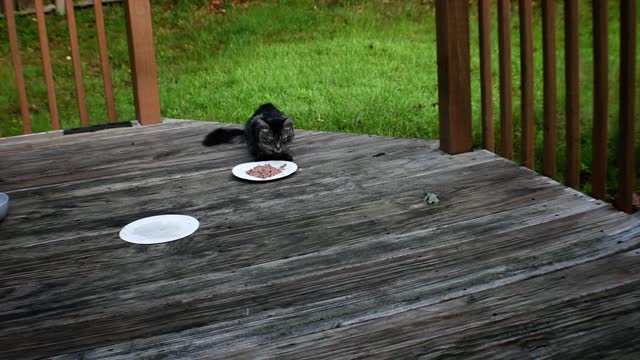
(454, 87)
(141, 54)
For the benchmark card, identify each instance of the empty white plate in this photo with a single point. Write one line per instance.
(159, 229)
(288, 169)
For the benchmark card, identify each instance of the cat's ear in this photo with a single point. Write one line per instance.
(262, 126)
(259, 123)
(288, 123)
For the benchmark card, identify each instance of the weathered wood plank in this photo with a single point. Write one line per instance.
(347, 241)
(403, 277)
(148, 146)
(302, 267)
(599, 310)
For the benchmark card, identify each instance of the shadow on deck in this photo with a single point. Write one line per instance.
(343, 259)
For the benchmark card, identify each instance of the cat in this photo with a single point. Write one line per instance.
(268, 134)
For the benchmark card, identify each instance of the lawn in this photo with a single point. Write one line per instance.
(350, 66)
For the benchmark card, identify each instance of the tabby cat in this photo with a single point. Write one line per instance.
(268, 134)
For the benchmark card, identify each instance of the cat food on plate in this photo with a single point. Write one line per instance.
(265, 171)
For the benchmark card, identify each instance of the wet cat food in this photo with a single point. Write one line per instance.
(264, 171)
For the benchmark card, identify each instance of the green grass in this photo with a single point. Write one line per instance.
(350, 66)
(355, 68)
(340, 68)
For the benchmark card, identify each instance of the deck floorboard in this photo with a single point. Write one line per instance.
(341, 260)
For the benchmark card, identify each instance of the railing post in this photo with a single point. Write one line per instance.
(142, 60)
(626, 156)
(454, 78)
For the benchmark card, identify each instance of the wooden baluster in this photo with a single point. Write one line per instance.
(104, 61)
(600, 97)
(525, 8)
(550, 91)
(572, 83)
(484, 25)
(46, 65)
(17, 66)
(626, 156)
(77, 65)
(454, 76)
(504, 45)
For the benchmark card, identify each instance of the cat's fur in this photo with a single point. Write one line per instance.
(268, 134)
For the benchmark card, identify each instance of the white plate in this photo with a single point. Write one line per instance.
(241, 170)
(159, 229)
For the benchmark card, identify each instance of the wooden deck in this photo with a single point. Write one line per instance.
(341, 260)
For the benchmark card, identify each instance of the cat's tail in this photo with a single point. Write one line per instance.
(222, 136)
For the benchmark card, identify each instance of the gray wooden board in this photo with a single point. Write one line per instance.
(343, 259)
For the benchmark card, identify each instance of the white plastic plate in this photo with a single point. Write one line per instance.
(241, 170)
(159, 229)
